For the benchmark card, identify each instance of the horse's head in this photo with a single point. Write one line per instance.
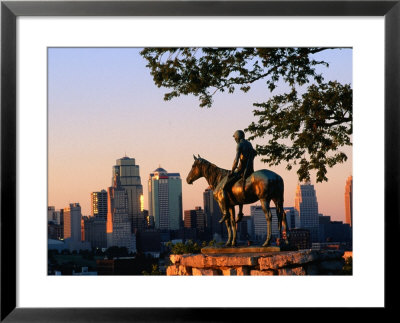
(195, 173)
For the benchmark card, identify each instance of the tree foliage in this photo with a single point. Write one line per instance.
(116, 252)
(317, 124)
(189, 246)
(304, 128)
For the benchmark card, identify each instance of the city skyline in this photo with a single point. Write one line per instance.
(103, 105)
(257, 204)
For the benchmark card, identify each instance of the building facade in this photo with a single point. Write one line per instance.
(213, 214)
(348, 200)
(95, 232)
(292, 217)
(300, 239)
(165, 199)
(201, 222)
(260, 223)
(98, 204)
(306, 206)
(129, 178)
(190, 219)
(72, 222)
(119, 224)
(53, 215)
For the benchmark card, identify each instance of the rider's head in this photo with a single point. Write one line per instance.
(238, 135)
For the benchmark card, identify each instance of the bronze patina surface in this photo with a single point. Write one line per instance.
(262, 185)
(239, 250)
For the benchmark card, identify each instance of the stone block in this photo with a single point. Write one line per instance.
(347, 255)
(178, 270)
(262, 273)
(185, 271)
(229, 272)
(173, 270)
(204, 272)
(242, 271)
(296, 271)
(175, 259)
(203, 261)
(296, 258)
(288, 258)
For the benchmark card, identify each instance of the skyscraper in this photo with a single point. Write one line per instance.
(129, 178)
(260, 222)
(53, 215)
(306, 206)
(95, 227)
(348, 200)
(165, 199)
(200, 218)
(98, 204)
(72, 222)
(190, 219)
(292, 217)
(95, 232)
(119, 232)
(213, 213)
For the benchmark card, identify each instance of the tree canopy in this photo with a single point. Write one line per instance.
(305, 126)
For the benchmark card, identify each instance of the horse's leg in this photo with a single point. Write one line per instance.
(222, 206)
(281, 218)
(268, 216)
(284, 225)
(240, 214)
(228, 228)
(233, 225)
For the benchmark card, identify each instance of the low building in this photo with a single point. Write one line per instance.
(58, 245)
(299, 239)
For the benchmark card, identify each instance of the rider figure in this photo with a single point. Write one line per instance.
(243, 167)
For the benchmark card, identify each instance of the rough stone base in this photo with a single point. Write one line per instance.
(298, 263)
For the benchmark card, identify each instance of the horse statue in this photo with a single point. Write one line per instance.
(263, 185)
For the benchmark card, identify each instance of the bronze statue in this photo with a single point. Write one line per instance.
(243, 167)
(263, 185)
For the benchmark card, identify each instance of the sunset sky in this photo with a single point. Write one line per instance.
(103, 105)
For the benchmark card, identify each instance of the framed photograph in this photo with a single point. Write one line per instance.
(44, 116)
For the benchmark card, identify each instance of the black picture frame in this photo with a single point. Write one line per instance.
(10, 10)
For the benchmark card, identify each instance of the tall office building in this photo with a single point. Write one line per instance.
(200, 219)
(306, 206)
(129, 177)
(95, 232)
(98, 204)
(54, 228)
(348, 200)
(119, 224)
(95, 226)
(213, 213)
(260, 223)
(72, 222)
(190, 220)
(50, 213)
(292, 217)
(165, 199)
(53, 215)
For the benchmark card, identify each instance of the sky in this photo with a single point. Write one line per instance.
(103, 105)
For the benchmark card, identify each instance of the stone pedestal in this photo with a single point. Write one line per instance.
(244, 263)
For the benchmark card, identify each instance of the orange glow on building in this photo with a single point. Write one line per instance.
(348, 200)
(141, 203)
(109, 212)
